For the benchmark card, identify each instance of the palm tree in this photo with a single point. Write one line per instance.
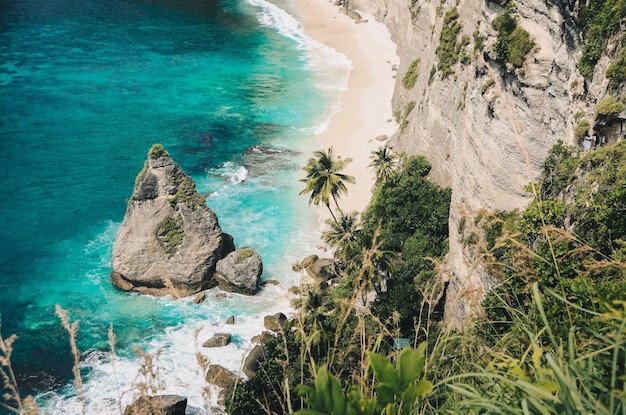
(342, 232)
(384, 163)
(372, 264)
(324, 180)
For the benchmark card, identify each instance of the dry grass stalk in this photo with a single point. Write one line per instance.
(72, 329)
(112, 342)
(11, 400)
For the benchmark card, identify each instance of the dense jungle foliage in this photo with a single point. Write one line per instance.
(552, 336)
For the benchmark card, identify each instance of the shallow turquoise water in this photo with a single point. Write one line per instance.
(86, 87)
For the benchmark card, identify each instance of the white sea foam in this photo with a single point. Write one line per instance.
(330, 69)
(233, 172)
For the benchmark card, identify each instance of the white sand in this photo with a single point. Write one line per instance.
(365, 107)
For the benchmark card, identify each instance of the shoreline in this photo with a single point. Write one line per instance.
(365, 110)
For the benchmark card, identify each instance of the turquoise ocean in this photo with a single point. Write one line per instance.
(86, 87)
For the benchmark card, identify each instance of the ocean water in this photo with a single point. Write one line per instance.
(86, 87)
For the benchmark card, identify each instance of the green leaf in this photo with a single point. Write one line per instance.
(547, 385)
(391, 409)
(416, 391)
(411, 363)
(386, 394)
(337, 397)
(385, 372)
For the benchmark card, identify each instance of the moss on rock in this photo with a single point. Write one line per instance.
(171, 233)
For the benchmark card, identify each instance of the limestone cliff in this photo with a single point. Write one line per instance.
(486, 126)
(169, 241)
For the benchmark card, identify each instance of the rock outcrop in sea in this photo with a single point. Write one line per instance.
(170, 241)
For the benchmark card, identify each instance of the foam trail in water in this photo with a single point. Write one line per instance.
(330, 68)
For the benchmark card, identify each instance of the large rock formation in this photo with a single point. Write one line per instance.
(486, 128)
(169, 241)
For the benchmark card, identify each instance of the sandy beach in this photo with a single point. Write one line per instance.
(365, 108)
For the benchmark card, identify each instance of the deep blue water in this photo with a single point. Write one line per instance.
(86, 87)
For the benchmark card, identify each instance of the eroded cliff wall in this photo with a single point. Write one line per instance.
(488, 126)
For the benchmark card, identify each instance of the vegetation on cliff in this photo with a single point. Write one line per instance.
(552, 340)
(513, 43)
(600, 20)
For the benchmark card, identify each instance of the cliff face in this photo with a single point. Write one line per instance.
(488, 126)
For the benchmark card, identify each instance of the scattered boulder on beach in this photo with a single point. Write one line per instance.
(170, 240)
(158, 405)
(322, 270)
(223, 378)
(220, 376)
(218, 340)
(264, 337)
(199, 299)
(274, 322)
(240, 271)
(253, 361)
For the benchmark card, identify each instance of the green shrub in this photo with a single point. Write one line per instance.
(519, 46)
(479, 40)
(449, 49)
(609, 108)
(157, 151)
(243, 254)
(581, 130)
(513, 43)
(171, 233)
(411, 75)
(616, 72)
(490, 82)
(600, 19)
(402, 116)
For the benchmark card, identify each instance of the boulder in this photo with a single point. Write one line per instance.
(230, 320)
(264, 337)
(240, 271)
(158, 405)
(253, 361)
(275, 322)
(322, 270)
(170, 240)
(222, 377)
(306, 262)
(200, 298)
(218, 340)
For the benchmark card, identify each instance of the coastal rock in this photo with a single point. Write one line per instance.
(253, 361)
(158, 405)
(264, 337)
(240, 271)
(220, 376)
(199, 299)
(230, 320)
(274, 322)
(218, 340)
(169, 241)
(322, 270)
